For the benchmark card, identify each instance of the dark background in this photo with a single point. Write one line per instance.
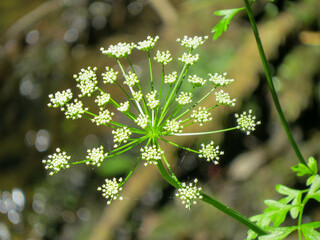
(43, 43)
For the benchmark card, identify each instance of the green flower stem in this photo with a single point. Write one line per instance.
(217, 105)
(194, 105)
(167, 176)
(129, 146)
(137, 104)
(135, 142)
(138, 86)
(131, 171)
(169, 101)
(162, 80)
(205, 133)
(128, 114)
(234, 214)
(227, 210)
(150, 69)
(168, 92)
(178, 146)
(168, 165)
(270, 83)
(116, 152)
(117, 124)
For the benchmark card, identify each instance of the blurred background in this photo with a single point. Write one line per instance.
(43, 43)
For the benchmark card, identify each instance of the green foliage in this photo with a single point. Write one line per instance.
(294, 203)
(223, 24)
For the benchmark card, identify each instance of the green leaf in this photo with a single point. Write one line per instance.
(311, 225)
(311, 169)
(310, 180)
(315, 185)
(284, 190)
(301, 170)
(294, 212)
(316, 196)
(277, 211)
(312, 163)
(277, 233)
(309, 232)
(223, 24)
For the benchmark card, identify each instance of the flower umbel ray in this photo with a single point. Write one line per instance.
(150, 114)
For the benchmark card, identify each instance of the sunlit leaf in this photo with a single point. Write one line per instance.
(223, 24)
(308, 231)
(278, 233)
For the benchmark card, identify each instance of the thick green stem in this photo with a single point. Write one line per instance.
(270, 83)
(229, 211)
(234, 214)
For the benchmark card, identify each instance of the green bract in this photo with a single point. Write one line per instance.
(152, 113)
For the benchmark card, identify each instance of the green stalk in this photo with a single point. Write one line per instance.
(229, 211)
(150, 69)
(270, 83)
(205, 133)
(234, 214)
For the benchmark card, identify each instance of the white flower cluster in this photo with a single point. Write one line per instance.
(151, 154)
(110, 76)
(102, 99)
(75, 110)
(184, 98)
(119, 51)
(192, 43)
(142, 121)
(131, 79)
(57, 161)
(110, 190)
(201, 115)
(189, 59)
(148, 44)
(124, 106)
(196, 81)
(170, 78)
(87, 81)
(163, 57)
(151, 98)
(137, 96)
(121, 135)
(224, 99)
(189, 194)
(247, 122)
(96, 156)
(104, 117)
(166, 109)
(220, 80)
(60, 99)
(173, 126)
(210, 152)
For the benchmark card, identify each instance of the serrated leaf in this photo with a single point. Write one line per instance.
(277, 211)
(263, 219)
(301, 170)
(223, 24)
(284, 190)
(277, 233)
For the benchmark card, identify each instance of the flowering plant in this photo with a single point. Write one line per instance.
(154, 114)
